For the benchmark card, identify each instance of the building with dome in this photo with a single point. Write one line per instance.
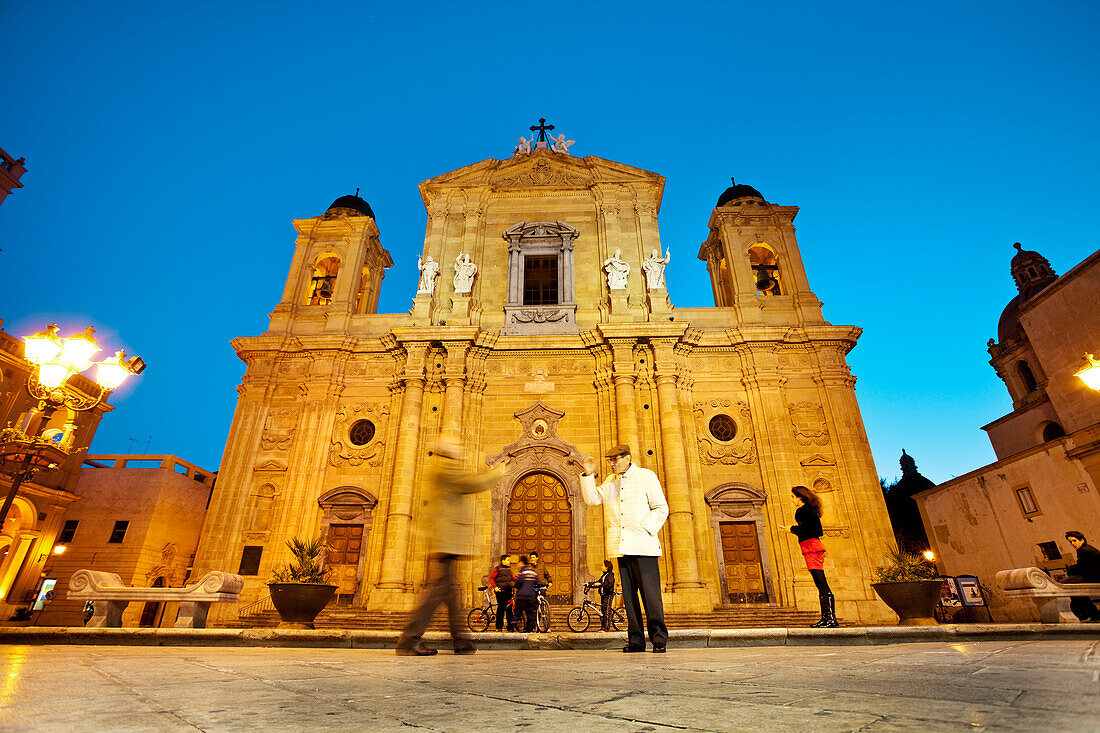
(1015, 512)
(541, 330)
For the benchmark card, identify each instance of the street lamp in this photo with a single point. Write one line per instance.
(55, 360)
(1090, 374)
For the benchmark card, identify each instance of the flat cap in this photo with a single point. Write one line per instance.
(618, 450)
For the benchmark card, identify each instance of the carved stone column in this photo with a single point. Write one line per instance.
(623, 379)
(399, 518)
(685, 563)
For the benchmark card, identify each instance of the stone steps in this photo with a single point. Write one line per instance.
(343, 617)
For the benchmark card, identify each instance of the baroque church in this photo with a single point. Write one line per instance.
(542, 332)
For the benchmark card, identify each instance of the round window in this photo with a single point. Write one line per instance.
(723, 427)
(361, 432)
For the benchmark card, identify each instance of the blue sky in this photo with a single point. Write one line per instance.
(169, 145)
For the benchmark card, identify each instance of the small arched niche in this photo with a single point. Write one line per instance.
(1027, 377)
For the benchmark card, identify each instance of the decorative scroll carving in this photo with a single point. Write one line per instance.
(343, 452)
(808, 424)
(742, 449)
(279, 429)
(540, 315)
(542, 173)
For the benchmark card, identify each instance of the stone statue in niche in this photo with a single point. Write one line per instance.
(617, 270)
(654, 267)
(429, 269)
(561, 145)
(464, 273)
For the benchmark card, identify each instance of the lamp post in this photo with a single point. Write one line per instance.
(54, 360)
(1090, 374)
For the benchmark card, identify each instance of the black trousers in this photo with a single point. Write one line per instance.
(641, 575)
(503, 597)
(442, 590)
(526, 609)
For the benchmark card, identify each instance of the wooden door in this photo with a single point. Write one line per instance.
(345, 543)
(741, 553)
(541, 520)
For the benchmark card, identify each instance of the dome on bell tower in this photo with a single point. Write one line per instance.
(351, 205)
(738, 191)
(1032, 273)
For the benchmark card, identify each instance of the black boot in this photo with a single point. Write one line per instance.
(828, 613)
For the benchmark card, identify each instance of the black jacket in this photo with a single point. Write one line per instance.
(809, 524)
(1087, 566)
(607, 583)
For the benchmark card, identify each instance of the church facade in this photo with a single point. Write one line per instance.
(542, 331)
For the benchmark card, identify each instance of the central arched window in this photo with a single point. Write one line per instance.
(540, 296)
(322, 284)
(1027, 378)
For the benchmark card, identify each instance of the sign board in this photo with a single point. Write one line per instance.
(970, 590)
(949, 594)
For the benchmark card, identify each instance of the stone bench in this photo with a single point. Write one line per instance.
(1049, 595)
(109, 596)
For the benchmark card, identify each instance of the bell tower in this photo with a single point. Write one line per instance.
(337, 270)
(754, 263)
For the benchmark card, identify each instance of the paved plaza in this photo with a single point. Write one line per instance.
(936, 686)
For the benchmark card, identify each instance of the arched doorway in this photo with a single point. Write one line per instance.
(149, 612)
(540, 519)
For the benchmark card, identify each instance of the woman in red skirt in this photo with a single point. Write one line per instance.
(808, 530)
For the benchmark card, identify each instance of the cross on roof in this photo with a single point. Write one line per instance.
(541, 128)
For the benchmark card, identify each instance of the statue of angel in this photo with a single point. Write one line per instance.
(464, 273)
(523, 147)
(617, 270)
(654, 267)
(561, 145)
(429, 269)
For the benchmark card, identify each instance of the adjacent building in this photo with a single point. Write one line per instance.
(138, 516)
(1015, 512)
(542, 331)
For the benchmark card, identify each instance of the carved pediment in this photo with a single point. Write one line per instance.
(817, 460)
(271, 465)
(541, 170)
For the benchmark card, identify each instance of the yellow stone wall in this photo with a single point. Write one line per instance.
(635, 369)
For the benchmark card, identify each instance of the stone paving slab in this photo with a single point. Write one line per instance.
(1045, 684)
(680, 638)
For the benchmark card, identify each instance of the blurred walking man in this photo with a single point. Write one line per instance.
(452, 517)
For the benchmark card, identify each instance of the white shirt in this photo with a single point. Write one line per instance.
(635, 508)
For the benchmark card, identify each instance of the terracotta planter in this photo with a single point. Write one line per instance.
(299, 603)
(913, 601)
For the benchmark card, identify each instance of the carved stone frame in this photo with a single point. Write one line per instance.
(743, 503)
(540, 238)
(540, 450)
(350, 505)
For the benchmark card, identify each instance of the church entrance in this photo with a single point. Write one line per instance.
(540, 519)
(345, 543)
(741, 555)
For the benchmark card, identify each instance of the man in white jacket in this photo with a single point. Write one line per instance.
(635, 508)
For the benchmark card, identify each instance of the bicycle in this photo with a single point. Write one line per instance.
(478, 619)
(542, 614)
(579, 617)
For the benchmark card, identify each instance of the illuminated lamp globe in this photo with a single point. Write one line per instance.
(53, 375)
(1090, 375)
(111, 373)
(79, 350)
(44, 346)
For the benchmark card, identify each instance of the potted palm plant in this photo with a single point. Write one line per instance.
(300, 589)
(909, 586)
